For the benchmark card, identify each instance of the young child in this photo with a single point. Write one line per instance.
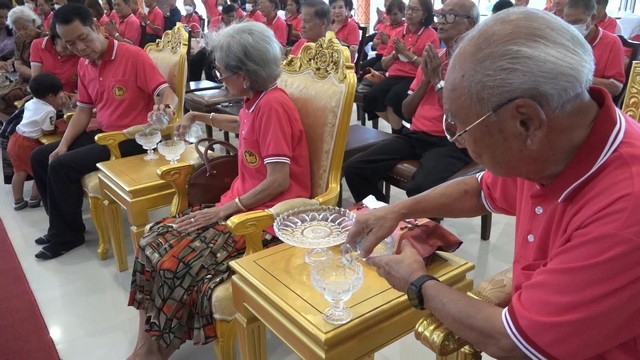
(38, 119)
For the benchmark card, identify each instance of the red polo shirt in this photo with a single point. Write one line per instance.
(349, 33)
(211, 8)
(608, 55)
(428, 115)
(46, 22)
(608, 24)
(388, 29)
(155, 16)
(113, 16)
(43, 52)
(295, 51)
(385, 20)
(121, 87)
(296, 22)
(576, 279)
(239, 14)
(256, 15)
(130, 29)
(270, 132)
(192, 21)
(103, 20)
(216, 24)
(279, 28)
(415, 42)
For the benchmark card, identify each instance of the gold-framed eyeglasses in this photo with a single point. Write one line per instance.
(451, 129)
(219, 75)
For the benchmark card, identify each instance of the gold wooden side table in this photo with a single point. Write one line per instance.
(133, 184)
(273, 288)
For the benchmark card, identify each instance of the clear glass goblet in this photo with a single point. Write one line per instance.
(149, 140)
(158, 119)
(172, 149)
(351, 253)
(336, 281)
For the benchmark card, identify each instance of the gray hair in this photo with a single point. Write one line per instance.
(251, 48)
(547, 61)
(22, 13)
(475, 13)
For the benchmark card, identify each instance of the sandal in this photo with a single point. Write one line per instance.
(34, 203)
(17, 206)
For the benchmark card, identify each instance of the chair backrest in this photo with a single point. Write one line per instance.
(321, 82)
(290, 41)
(635, 54)
(170, 56)
(631, 105)
(360, 54)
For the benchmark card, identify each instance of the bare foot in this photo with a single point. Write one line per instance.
(150, 349)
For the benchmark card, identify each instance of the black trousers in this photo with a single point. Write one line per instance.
(199, 62)
(390, 92)
(59, 182)
(373, 63)
(149, 39)
(439, 160)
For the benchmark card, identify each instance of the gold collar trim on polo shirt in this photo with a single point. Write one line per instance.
(614, 140)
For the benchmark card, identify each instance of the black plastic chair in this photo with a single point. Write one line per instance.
(360, 54)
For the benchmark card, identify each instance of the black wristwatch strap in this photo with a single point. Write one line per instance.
(414, 293)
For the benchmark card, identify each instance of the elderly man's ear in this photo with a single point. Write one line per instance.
(532, 121)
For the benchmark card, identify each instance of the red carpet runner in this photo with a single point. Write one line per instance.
(23, 333)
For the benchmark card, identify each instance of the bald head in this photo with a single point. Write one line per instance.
(451, 28)
(546, 61)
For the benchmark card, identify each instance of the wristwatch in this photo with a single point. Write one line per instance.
(439, 86)
(414, 292)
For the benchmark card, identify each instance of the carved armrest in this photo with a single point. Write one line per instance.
(437, 337)
(178, 176)
(251, 223)
(112, 139)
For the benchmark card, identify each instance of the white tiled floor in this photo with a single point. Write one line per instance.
(83, 300)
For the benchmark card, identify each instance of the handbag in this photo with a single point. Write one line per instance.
(214, 177)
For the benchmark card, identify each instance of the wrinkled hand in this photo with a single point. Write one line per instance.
(401, 269)
(198, 219)
(431, 64)
(144, 16)
(57, 152)
(374, 226)
(5, 66)
(111, 27)
(184, 126)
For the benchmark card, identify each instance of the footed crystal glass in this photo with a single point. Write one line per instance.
(172, 149)
(349, 254)
(149, 139)
(336, 281)
(316, 228)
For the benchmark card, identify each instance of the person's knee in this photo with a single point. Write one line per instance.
(40, 157)
(350, 169)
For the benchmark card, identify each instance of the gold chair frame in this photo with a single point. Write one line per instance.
(631, 104)
(323, 61)
(173, 42)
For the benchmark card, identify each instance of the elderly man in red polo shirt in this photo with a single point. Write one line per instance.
(607, 48)
(120, 81)
(316, 19)
(269, 9)
(563, 160)
(426, 140)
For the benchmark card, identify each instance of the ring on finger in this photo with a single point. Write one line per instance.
(192, 220)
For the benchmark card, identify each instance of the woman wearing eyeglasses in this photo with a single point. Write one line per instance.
(401, 61)
(182, 259)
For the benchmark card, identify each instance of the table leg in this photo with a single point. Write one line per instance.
(251, 336)
(114, 223)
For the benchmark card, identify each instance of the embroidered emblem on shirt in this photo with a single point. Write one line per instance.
(119, 92)
(250, 158)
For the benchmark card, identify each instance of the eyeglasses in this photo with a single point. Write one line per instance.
(450, 18)
(414, 9)
(219, 75)
(451, 129)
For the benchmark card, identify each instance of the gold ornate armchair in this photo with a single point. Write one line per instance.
(321, 83)
(432, 333)
(170, 56)
(631, 104)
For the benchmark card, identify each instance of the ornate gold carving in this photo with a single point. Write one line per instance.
(325, 57)
(437, 337)
(631, 104)
(171, 39)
